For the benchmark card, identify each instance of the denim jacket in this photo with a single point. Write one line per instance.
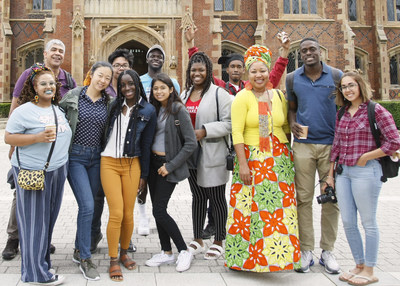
(146, 121)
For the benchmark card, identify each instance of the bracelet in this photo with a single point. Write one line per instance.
(330, 177)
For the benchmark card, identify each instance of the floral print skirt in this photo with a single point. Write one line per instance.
(262, 228)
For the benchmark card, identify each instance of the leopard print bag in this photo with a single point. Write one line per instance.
(31, 180)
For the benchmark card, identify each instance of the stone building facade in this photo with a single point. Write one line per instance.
(352, 33)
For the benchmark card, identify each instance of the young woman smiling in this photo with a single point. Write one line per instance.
(359, 184)
(125, 163)
(170, 150)
(86, 109)
(37, 211)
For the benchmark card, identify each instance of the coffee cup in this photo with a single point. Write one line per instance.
(52, 128)
(304, 132)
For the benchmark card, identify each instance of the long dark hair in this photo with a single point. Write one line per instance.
(201, 58)
(93, 69)
(119, 101)
(174, 97)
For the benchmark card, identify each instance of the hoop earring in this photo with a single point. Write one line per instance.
(248, 86)
(36, 98)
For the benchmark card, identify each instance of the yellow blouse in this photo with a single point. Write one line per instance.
(245, 118)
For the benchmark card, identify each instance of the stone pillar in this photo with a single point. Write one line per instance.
(216, 40)
(262, 16)
(5, 51)
(383, 71)
(77, 52)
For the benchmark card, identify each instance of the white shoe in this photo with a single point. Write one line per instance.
(306, 261)
(328, 260)
(184, 260)
(56, 280)
(160, 258)
(144, 228)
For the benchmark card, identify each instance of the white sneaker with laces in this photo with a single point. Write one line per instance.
(184, 260)
(328, 260)
(306, 261)
(160, 258)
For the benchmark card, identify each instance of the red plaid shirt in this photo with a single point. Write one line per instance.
(353, 135)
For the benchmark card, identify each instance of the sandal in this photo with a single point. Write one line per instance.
(115, 271)
(214, 252)
(195, 247)
(346, 276)
(127, 262)
(367, 280)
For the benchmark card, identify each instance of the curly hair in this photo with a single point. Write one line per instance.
(28, 91)
(174, 97)
(201, 58)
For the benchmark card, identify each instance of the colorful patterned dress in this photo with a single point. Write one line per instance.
(262, 228)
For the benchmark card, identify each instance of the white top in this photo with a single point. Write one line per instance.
(110, 150)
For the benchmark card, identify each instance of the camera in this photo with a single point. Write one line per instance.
(329, 196)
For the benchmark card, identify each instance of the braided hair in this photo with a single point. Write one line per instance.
(201, 58)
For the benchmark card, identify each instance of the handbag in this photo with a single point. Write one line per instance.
(33, 180)
(230, 158)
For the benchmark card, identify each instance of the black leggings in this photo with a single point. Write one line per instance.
(200, 195)
(160, 193)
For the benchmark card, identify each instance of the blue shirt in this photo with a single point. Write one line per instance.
(316, 106)
(31, 119)
(146, 81)
(91, 120)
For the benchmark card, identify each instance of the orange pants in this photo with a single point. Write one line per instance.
(120, 179)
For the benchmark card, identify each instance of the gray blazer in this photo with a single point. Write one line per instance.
(176, 155)
(211, 162)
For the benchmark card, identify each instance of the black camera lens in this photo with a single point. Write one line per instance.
(329, 196)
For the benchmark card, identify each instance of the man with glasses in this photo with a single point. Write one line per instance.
(155, 58)
(121, 60)
(310, 91)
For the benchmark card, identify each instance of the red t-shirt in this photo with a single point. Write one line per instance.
(192, 108)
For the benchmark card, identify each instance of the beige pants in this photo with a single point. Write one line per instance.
(309, 158)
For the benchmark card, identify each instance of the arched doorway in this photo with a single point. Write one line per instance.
(139, 52)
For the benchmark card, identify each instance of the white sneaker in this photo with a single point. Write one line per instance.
(144, 228)
(159, 259)
(306, 261)
(328, 260)
(56, 280)
(184, 260)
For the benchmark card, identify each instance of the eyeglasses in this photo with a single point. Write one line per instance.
(118, 66)
(351, 86)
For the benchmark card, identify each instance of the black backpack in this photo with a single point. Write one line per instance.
(390, 169)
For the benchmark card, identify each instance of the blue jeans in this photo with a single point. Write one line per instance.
(357, 189)
(84, 178)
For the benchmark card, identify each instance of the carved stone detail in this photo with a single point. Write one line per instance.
(187, 21)
(78, 25)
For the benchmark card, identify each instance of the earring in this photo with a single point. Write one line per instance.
(249, 86)
(54, 96)
(36, 98)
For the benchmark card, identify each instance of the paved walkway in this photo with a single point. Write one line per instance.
(202, 272)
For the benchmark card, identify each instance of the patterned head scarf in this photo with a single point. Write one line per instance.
(257, 53)
(35, 69)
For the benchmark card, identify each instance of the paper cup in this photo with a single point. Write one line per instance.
(304, 132)
(51, 127)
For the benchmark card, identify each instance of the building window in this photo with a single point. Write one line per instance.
(300, 6)
(42, 4)
(394, 69)
(352, 10)
(32, 57)
(294, 60)
(393, 9)
(224, 5)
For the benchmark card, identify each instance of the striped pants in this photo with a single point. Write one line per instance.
(37, 212)
(200, 195)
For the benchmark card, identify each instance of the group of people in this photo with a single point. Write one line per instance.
(120, 133)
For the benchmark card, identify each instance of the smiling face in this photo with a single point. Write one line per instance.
(198, 74)
(101, 78)
(162, 92)
(350, 90)
(235, 70)
(128, 88)
(54, 57)
(155, 60)
(119, 65)
(45, 87)
(258, 76)
(310, 53)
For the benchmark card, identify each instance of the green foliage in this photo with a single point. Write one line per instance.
(394, 108)
(4, 109)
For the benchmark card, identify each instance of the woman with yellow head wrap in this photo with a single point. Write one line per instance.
(262, 232)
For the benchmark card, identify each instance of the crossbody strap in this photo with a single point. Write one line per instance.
(230, 148)
(52, 144)
(178, 126)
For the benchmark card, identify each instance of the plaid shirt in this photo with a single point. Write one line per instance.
(353, 135)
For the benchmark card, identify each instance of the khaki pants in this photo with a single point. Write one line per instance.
(309, 158)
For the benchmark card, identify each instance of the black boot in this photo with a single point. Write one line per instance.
(11, 249)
